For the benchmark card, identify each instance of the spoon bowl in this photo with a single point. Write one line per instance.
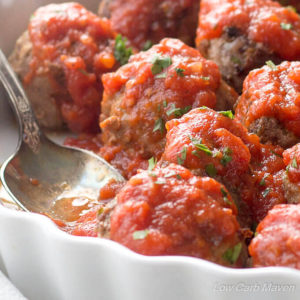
(41, 172)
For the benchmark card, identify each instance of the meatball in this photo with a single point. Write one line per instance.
(169, 211)
(242, 35)
(277, 242)
(160, 84)
(291, 178)
(148, 21)
(60, 60)
(212, 143)
(269, 104)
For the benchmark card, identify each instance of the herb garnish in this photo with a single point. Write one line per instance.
(211, 170)
(199, 146)
(205, 78)
(226, 156)
(286, 26)
(271, 65)
(160, 63)
(179, 72)
(232, 254)
(182, 157)
(159, 125)
(227, 113)
(294, 163)
(263, 182)
(121, 52)
(140, 234)
(225, 196)
(178, 112)
(266, 192)
(152, 163)
(148, 44)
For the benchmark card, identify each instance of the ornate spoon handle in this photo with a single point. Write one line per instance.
(28, 126)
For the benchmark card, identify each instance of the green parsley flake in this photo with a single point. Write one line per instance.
(152, 163)
(161, 75)
(276, 153)
(140, 234)
(148, 44)
(159, 125)
(211, 170)
(178, 176)
(232, 254)
(266, 192)
(225, 196)
(160, 63)
(286, 26)
(294, 163)
(205, 78)
(160, 181)
(227, 113)
(271, 65)
(178, 112)
(226, 156)
(179, 72)
(263, 182)
(182, 157)
(121, 52)
(201, 147)
(165, 103)
(236, 60)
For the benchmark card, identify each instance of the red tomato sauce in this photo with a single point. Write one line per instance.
(138, 101)
(278, 238)
(262, 21)
(272, 92)
(149, 207)
(71, 39)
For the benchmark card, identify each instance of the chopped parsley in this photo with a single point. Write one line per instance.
(161, 75)
(276, 153)
(263, 182)
(160, 63)
(84, 72)
(205, 78)
(160, 181)
(225, 196)
(159, 125)
(232, 254)
(226, 156)
(152, 163)
(140, 234)
(121, 52)
(178, 176)
(179, 72)
(266, 192)
(211, 170)
(294, 163)
(236, 60)
(201, 147)
(182, 157)
(178, 112)
(165, 103)
(286, 26)
(227, 113)
(271, 65)
(148, 44)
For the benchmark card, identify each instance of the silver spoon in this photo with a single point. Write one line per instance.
(41, 172)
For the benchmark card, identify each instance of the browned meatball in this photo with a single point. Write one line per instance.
(169, 211)
(145, 21)
(60, 60)
(242, 35)
(269, 105)
(160, 84)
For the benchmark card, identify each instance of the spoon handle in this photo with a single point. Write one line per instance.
(29, 129)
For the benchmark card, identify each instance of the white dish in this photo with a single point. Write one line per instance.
(46, 263)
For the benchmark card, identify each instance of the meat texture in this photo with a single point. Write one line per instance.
(242, 35)
(155, 86)
(60, 60)
(148, 21)
(269, 104)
